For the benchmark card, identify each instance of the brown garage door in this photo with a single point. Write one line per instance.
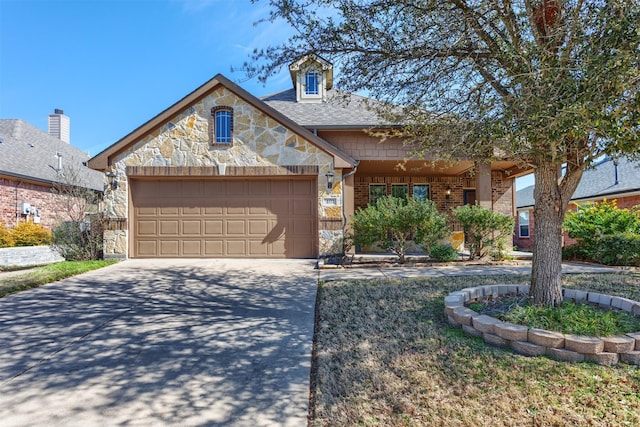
(231, 217)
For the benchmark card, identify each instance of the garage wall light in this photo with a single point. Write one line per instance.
(113, 182)
(330, 174)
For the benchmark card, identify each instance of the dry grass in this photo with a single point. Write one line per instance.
(387, 357)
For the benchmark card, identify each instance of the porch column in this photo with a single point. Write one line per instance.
(348, 199)
(483, 185)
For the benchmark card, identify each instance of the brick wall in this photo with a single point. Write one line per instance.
(14, 192)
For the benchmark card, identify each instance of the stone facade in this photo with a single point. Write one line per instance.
(258, 141)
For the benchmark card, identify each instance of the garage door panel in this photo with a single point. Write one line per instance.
(169, 227)
(170, 248)
(191, 227)
(224, 218)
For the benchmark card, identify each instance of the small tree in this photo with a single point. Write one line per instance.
(6, 240)
(395, 222)
(484, 229)
(78, 234)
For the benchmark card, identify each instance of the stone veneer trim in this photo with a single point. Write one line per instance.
(568, 348)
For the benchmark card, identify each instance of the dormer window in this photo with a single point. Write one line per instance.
(311, 82)
(312, 77)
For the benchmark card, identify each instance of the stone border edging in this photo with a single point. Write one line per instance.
(536, 342)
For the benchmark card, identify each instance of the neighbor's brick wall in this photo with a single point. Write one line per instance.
(14, 192)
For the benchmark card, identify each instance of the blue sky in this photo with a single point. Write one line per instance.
(113, 65)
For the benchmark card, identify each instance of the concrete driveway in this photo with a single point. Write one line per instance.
(161, 342)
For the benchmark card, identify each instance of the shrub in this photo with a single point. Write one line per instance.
(79, 240)
(395, 222)
(30, 234)
(6, 240)
(486, 230)
(443, 252)
(605, 234)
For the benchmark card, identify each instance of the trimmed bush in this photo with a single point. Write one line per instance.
(6, 241)
(486, 230)
(443, 252)
(30, 234)
(394, 222)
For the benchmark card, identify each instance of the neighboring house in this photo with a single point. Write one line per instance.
(609, 179)
(222, 173)
(32, 164)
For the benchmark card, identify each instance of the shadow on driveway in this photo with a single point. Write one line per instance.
(167, 342)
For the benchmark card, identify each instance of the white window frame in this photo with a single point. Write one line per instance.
(528, 225)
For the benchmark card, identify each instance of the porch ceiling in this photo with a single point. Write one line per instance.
(422, 167)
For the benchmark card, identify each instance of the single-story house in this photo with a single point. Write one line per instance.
(223, 173)
(609, 179)
(33, 164)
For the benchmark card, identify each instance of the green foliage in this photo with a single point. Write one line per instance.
(605, 234)
(6, 240)
(30, 234)
(572, 318)
(394, 223)
(486, 231)
(443, 252)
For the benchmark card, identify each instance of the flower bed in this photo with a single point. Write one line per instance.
(536, 342)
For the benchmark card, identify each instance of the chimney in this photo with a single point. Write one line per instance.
(59, 125)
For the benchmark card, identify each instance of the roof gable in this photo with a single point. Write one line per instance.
(104, 159)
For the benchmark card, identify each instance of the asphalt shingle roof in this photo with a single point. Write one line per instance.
(341, 110)
(28, 152)
(597, 182)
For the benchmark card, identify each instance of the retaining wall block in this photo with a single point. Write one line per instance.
(627, 304)
(452, 321)
(484, 323)
(580, 296)
(448, 310)
(636, 309)
(619, 344)
(454, 300)
(594, 297)
(632, 358)
(502, 289)
(528, 349)
(616, 302)
(512, 289)
(510, 331)
(604, 358)
(635, 336)
(569, 294)
(471, 331)
(583, 344)
(565, 355)
(605, 301)
(463, 315)
(495, 340)
(545, 338)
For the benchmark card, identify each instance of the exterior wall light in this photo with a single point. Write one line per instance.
(448, 193)
(330, 176)
(113, 182)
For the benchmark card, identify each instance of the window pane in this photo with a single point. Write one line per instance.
(376, 191)
(524, 231)
(401, 191)
(421, 192)
(523, 218)
(223, 126)
(311, 83)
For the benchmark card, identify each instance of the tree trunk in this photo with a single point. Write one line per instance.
(548, 213)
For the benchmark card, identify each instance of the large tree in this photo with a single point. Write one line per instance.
(543, 82)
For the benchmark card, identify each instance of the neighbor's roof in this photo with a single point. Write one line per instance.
(103, 159)
(29, 153)
(341, 110)
(599, 182)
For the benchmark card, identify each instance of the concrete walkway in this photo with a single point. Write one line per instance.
(333, 274)
(167, 342)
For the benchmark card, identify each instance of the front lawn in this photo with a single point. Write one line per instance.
(385, 356)
(37, 276)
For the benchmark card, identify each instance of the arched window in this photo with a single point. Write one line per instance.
(221, 127)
